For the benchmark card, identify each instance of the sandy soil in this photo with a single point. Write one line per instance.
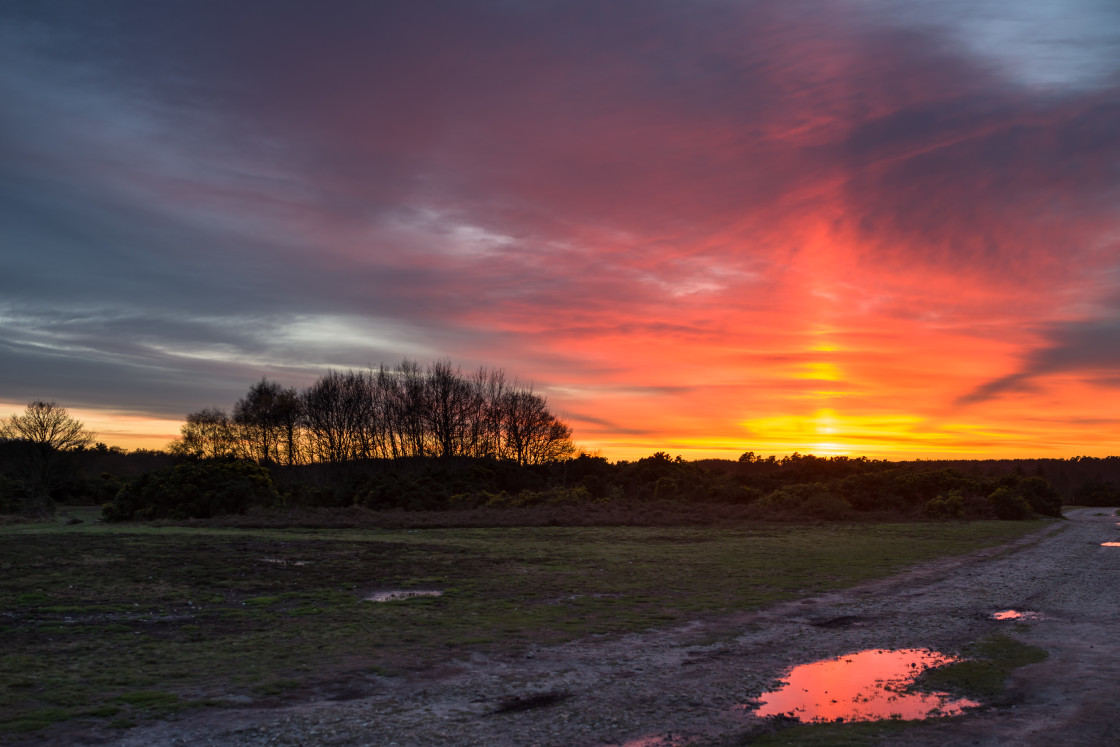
(689, 685)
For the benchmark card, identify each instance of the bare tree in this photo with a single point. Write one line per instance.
(337, 412)
(207, 434)
(449, 408)
(261, 421)
(46, 433)
(489, 387)
(407, 411)
(531, 433)
(288, 416)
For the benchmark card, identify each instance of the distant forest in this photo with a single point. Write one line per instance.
(433, 439)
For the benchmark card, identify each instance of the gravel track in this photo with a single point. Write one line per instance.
(688, 685)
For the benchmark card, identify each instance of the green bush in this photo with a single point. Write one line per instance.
(1041, 496)
(1008, 503)
(801, 501)
(194, 491)
(826, 506)
(949, 506)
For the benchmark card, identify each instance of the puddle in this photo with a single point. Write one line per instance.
(1016, 615)
(281, 561)
(398, 594)
(1110, 544)
(865, 686)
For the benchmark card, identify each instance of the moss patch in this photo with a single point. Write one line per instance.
(857, 734)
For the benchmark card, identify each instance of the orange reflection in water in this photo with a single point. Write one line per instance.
(1016, 615)
(865, 686)
(1110, 544)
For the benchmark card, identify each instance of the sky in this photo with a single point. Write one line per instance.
(703, 227)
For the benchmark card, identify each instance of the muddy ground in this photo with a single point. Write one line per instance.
(694, 684)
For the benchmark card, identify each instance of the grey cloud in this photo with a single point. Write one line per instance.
(1090, 349)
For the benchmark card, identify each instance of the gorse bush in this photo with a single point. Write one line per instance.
(1040, 496)
(1008, 503)
(769, 490)
(194, 491)
(802, 501)
(950, 506)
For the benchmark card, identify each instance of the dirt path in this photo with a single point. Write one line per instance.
(688, 685)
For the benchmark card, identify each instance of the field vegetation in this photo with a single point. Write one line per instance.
(109, 624)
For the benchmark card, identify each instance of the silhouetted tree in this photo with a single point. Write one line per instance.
(409, 412)
(44, 435)
(327, 416)
(288, 413)
(386, 413)
(532, 434)
(267, 421)
(449, 409)
(207, 434)
(489, 386)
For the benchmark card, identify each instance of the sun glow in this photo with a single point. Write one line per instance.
(821, 371)
(827, 431)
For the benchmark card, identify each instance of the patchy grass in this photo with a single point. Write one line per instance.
(114, 624)
(985, 670)
(855, 734)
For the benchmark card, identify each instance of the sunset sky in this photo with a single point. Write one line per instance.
(869, 228)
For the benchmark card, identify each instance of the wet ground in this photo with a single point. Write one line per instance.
(702, 683)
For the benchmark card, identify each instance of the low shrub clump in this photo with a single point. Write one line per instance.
(796, 488)
(194, 490)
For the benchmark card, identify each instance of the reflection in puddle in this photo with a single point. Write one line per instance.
(1016, 615)
(1110, 544)
(281, 561)
(397, 594)
(864, 686)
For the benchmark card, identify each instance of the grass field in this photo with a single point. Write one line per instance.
(118, 623)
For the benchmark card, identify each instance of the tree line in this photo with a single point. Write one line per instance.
(386, 413)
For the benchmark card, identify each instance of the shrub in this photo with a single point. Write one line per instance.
(826, 506)
(1007, 503)
(194, 491)
(949, 506)
(871, 491)
(802, 500)
(1041, 496)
